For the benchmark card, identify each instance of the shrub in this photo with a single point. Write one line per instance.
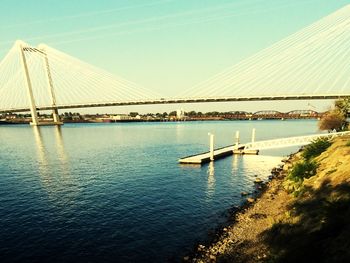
(316, 148)
(301, 170)
(333, 120)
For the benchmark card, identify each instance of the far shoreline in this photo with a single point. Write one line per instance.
(22, 122)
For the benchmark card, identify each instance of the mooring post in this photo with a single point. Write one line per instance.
(211, 146)
(237, 138)
(253, 135)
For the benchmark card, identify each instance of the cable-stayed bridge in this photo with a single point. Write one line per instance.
(310, 64)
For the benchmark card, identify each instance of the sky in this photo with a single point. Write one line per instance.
(166, 46)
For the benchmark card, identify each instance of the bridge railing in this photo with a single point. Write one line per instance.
(292, 141)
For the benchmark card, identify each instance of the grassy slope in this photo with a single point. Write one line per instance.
(317, 225)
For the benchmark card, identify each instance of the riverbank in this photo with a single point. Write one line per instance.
(304, 220)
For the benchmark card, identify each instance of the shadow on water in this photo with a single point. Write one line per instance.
(321, 233)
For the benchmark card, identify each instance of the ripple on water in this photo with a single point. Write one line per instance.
(116, 193)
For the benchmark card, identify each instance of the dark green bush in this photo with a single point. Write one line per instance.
(301, 170)
(315, 148)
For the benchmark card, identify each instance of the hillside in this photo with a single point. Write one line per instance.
(303, 216)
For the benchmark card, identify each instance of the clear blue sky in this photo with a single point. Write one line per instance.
(166, 46)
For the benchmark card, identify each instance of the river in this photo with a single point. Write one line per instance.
(115, 192)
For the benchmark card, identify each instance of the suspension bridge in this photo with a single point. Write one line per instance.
(309, 64)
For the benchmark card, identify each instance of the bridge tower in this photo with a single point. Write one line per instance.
(33, 110)
(55, 115)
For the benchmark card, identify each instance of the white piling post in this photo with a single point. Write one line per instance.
(211, 146)
(253, 135)
(237, 138)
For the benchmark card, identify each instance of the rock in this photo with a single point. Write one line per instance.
(258, 180)
(212, 257)
(201, 247)
(187, 258)
(244, 193)
(225, 229)
(250, 200)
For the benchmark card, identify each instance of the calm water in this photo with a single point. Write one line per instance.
(115, 192)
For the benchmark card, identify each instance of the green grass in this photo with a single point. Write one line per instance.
(315, 148)
(302, 170)
(295, 178)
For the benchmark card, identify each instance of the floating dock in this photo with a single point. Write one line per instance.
(218, 154)
(252, 147)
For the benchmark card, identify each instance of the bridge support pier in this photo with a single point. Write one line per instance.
(33, 110)
(55, 115)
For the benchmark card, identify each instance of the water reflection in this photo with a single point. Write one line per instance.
(41, 153)
(61, 153)
(259, 164)
(56, 182)
(235, 167)
(211, 180)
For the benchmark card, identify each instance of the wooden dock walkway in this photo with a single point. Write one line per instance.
(254, 147)
(218, 153)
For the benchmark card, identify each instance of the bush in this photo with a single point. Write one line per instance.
(315, 148)
(333, 120)
(301, 170)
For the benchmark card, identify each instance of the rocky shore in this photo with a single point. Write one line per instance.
(240, 242)
(276, 213)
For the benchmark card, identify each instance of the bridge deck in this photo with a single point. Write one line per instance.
(183, 100)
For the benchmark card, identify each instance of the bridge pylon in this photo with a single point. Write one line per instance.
(55, 115)
(33, 111)
(33, 108)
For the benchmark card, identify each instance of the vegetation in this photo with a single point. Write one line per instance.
(302, 170)
(317, 225)
(133, 114)
(343, 105)
(335, 119)
(315, 149)
(317, 229)
(295, 178)
(306, 167)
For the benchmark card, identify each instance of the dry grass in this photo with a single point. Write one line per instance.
(313, 227)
